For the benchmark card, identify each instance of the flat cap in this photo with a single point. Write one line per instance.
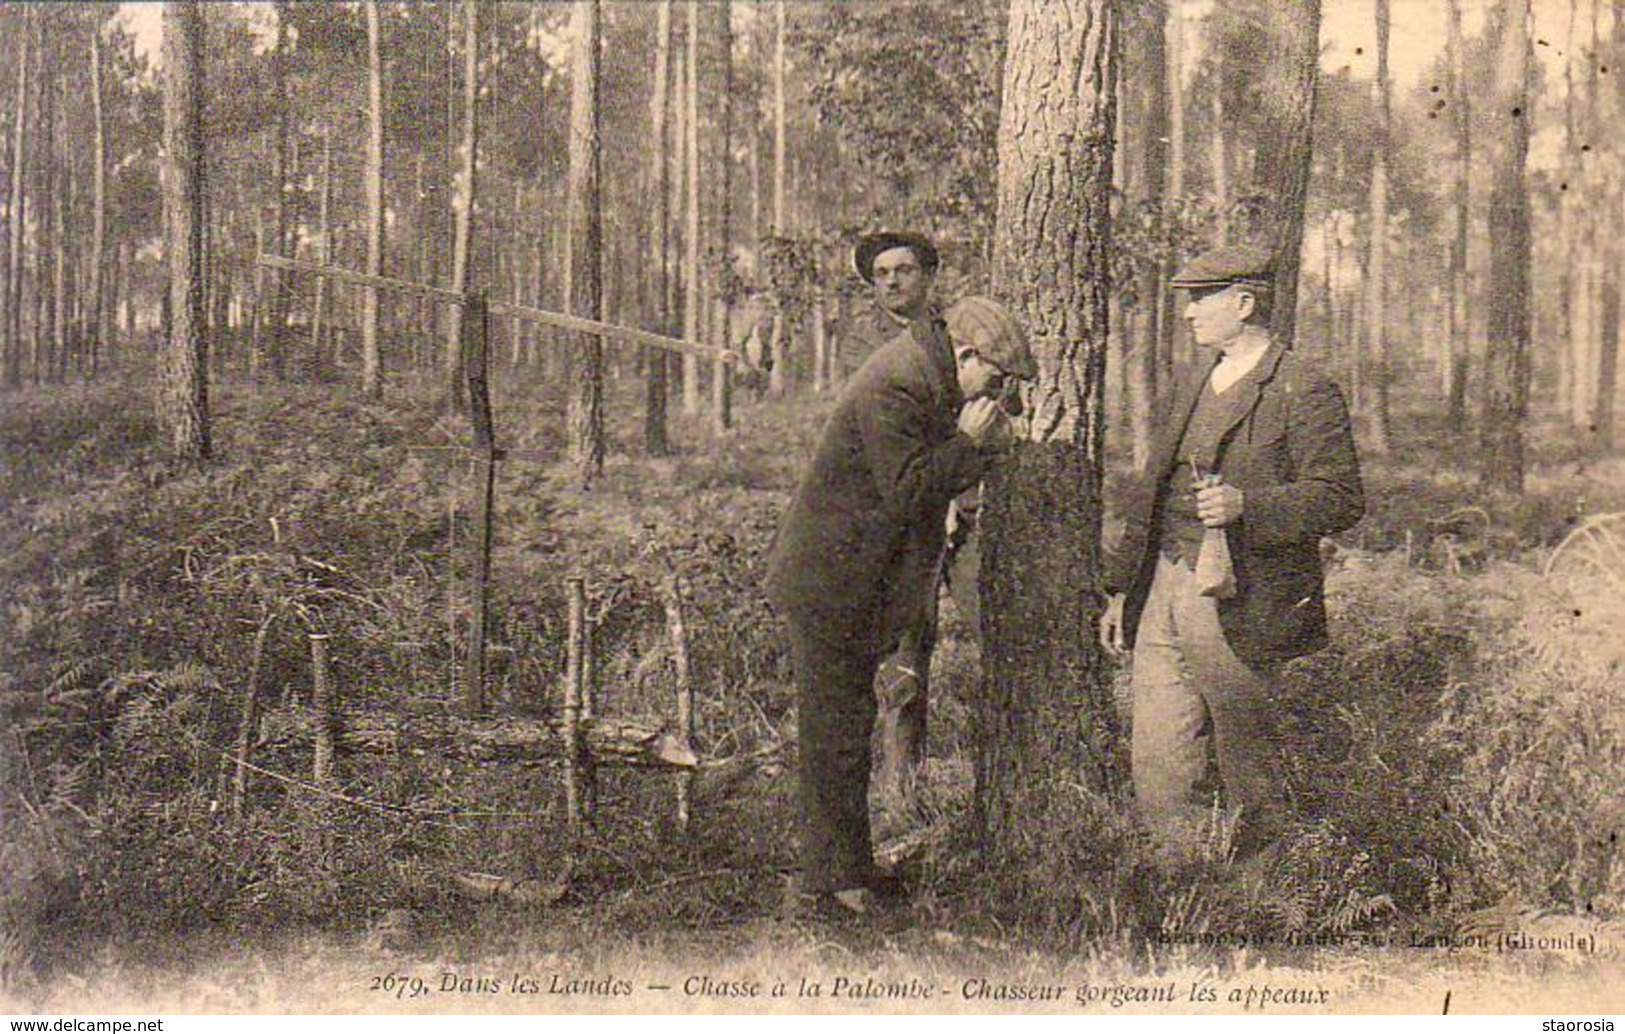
(870, 245)
(988, 327)
(1244, 264)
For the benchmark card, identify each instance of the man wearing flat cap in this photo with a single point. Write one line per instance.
(919, 423)
(1217, 581)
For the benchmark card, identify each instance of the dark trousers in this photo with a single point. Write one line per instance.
(834, 666)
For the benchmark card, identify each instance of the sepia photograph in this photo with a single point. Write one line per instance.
(1012, 507)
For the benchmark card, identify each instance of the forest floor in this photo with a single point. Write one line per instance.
(1457, 755)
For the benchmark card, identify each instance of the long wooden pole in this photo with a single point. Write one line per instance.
(543, 316)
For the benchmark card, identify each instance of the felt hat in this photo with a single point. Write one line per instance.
(871, 245)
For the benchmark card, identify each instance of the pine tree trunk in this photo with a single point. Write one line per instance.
(1219, 159)
(584, 295)
(1045, 714)
(324, 230)
(1377, 264)
(1506, 363)
(183, 405)
(275, 346)
(655, 440)
(1147, 127)
(1608, 359)
(1291, 30)
(372, 368)
(693, 317)
(1167, 319)
(61, 245)
(462, 202)
(16, 207)
(721, 372)
(1460, 322)
(95, 322)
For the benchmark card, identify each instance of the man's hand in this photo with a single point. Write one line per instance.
(1218, 504)
(981, 420)
(1112, 636)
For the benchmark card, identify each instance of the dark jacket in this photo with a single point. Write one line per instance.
(866, 523)
(1291, 452)
(869, 330)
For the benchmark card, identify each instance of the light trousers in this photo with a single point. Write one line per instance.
(1194, 697)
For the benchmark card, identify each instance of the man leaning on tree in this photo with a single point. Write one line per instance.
(1217, 580)
(856, 552)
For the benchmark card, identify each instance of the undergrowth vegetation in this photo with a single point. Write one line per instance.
(1458, 747)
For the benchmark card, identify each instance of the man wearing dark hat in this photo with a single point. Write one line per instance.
(901, 267)
(1217, 581)
(919, 423)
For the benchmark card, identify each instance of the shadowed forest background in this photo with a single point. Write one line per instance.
(242, 505)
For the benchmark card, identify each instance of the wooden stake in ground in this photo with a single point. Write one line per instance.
(576, 760)
(322, 702)
(250, 718)
(678, 631)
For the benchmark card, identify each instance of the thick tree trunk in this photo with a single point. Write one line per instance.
(463, 197)
(584, 294)
(1506, 363)
(1460, 320)
(183, 403)
(655, 439)
(1291, 31)
(1045, 714)
(372, 368)
(1147, 129)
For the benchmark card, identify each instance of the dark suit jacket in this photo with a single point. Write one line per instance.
(1291, 452)
(866, 524)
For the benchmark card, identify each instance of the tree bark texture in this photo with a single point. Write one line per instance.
(1377, 262)
(721, 372)
(1146, 158)
(463, 194)
(693, 314)
(95, 323)
(183, 404)
(1292, 29)
(281, 182)
(1045, 713)
(585, 286)
(324, 230)
(1461, 168)
(655, 439)
(372, 370)
(16, 208)
(1506, 362)
(1167, 321)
